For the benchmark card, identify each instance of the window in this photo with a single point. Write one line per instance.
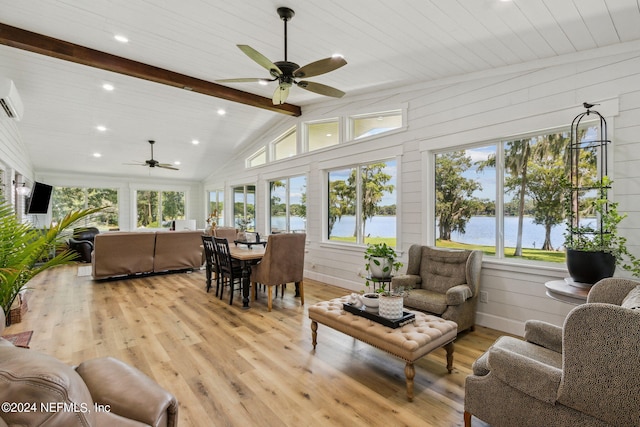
(286, 146)
(257, 159)
(157, 209)
(322, 134)
(362, 203)
(521, 217)
(374, 124)
(244, 207)
(216, 207)
(288, 204)
(67, 199)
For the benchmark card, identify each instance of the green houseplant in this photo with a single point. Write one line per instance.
(26, 251)
(381, 261)
(593, 251)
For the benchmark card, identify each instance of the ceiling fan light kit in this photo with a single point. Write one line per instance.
(286, 72)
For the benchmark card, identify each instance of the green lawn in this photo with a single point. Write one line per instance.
(527, 253)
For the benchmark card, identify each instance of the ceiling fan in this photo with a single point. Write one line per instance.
(287, 72)
(152, 163)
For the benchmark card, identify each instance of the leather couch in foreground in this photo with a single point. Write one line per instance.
(130, 253)
(37, 389)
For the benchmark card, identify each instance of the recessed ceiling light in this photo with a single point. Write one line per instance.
(108, 86)
(101, 128)
(97, 155)
(221, 112)
(337, 55)
(195, 142)
(328, 134)
(121, 38)
(263, 82)
(177, 162)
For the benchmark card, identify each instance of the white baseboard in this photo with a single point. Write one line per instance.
(509, 326)
(335, 281)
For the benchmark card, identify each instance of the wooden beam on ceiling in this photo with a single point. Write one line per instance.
(49, 46)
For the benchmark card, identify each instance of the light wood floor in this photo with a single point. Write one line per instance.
(231, 367)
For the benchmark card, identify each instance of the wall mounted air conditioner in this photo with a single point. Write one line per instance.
(10, 103)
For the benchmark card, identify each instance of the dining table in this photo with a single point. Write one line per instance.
(247, 256)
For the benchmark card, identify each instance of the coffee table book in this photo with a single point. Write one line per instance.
(407, 317)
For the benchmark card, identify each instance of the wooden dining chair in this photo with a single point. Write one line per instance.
(211, 262)
(283, 263)
(230, 271)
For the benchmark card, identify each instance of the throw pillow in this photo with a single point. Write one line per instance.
(632, 300)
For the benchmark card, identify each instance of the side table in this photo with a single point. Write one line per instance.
(564, 291)
(380, 282)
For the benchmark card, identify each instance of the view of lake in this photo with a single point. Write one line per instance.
(480, 230)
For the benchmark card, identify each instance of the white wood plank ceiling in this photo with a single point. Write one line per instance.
(386, 44)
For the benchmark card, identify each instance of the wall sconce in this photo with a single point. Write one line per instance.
(21, 188)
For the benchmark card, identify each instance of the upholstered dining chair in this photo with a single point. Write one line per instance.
(229, 271)
(211, 262)
(229, 233)
(283, 263)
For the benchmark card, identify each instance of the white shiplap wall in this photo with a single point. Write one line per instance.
(457, 111)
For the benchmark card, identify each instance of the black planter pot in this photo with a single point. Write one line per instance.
(589, 267)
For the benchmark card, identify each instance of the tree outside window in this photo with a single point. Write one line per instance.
(67, 199)
(244, 207)
(157, 209)
(362, 204)
(216, 206)
(288, 204)
(532, 172)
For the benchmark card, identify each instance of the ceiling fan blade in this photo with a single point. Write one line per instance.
(321, 89)
(320, 67)
(259, 58)
(280, 95)
(167, 166)
(245, 80)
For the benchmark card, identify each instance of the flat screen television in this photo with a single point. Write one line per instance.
(39, 200)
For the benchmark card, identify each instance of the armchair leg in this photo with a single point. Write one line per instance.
(467, 419)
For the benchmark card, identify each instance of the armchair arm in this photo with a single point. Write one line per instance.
(406, 280)
(611, 290)
(532, 377)
(544, 334)
(128, 392)
(458, 294)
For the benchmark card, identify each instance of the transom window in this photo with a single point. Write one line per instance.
(322, 134)
(362, 203)
(286, 146)
(258, 158)
(363, 126)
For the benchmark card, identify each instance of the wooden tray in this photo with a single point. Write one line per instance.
(406, 318)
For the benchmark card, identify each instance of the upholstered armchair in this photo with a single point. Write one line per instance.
(583, 374)
(444, 282)
(82, 242)
(98, 392)
(283, 263)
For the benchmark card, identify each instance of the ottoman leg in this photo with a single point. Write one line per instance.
(449, 348)
(409, 372)
(314, 333)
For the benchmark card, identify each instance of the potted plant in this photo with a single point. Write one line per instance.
(391, 302)
(594, 250)
(26, 251)
(381, 261)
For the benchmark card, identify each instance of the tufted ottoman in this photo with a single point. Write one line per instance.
(409, 342)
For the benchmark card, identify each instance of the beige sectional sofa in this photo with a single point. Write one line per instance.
(129, 253)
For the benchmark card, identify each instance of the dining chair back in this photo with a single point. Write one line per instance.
(229, 233)
(283, 263)
(211, 262)
(229, 271)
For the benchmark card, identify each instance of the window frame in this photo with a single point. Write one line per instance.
(261, 152)
(306, 133)
(402, 111)
(134, 217)
(287, 201)
(282, 138)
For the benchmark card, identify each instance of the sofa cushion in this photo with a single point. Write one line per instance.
(177, 250)
(426, 300)
(59, 393)
(443, 269)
